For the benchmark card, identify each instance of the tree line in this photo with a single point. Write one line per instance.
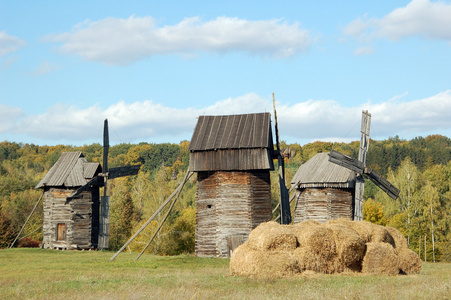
(420, 168)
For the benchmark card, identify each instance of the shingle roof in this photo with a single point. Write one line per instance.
(70, 170)
(319, 172)
(232, 132)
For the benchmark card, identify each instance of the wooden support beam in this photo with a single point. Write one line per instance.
(32, 211)
(187, 176)
(150, 219)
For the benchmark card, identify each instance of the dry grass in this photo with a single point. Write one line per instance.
(48, 274)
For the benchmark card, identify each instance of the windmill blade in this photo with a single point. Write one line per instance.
(97, 180)
(106, 145)
(346, 161)
(383, 183)
(357, 166)
(365, 136)
(285, 212)
(284, 196)
(363, 150)
(276, 125)
(123, 171)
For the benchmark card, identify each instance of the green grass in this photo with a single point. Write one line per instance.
(51, 274)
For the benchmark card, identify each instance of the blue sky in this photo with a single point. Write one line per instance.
(152, 67)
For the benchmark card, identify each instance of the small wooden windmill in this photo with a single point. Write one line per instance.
(104, 222)
(359, 166)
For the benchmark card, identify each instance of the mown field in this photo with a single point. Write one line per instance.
(50, 274)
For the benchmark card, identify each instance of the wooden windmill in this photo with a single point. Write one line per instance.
(104, 222)
(330, 185)
(359, 166)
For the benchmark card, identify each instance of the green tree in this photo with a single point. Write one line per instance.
(408, 180)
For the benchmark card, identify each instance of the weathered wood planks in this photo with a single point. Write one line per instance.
(323, 204)
(229, 204)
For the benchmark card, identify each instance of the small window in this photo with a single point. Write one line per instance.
(61, 232)
(209, 206)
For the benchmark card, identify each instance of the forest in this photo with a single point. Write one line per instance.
(420, 168)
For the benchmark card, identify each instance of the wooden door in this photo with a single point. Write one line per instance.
(61, 232)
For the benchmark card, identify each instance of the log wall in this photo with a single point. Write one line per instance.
(80, 216)
(229, 204)
(323, 204)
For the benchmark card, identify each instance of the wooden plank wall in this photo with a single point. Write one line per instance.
(323, 204)
(231, 160)
(229, 204)
(78, 214)
(82, 221)
(56, 211)
(206, 223)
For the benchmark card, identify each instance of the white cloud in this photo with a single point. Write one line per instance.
(124, 41)
(419, 17)
(321, 119)
(45, 68)
(364, 51)
(8, 117)
(311, 120)
(9, 43)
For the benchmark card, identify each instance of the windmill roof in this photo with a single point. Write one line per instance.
(70, 170)
(319, 172)
(232, 132)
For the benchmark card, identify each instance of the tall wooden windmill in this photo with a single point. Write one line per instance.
(104, 222)
(359, 166)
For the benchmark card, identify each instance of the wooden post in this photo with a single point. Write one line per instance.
(419, 246)
(104, 222)
(425, 257)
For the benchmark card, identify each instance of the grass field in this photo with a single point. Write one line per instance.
(51, 274)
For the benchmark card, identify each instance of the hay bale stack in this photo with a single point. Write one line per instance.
(274, 250)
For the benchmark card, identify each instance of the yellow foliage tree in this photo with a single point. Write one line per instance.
(374, 212)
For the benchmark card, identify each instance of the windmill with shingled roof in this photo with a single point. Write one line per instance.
(75, 216)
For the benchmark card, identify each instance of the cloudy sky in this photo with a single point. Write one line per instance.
(152, 67)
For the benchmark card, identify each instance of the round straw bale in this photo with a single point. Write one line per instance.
(398, 237)
(272, 236)
(308, 223)
(372, 233)
(246, 261)
(319, 238)
(309, 258)
(341, 221)
(380, 259)
(350, 247)
(409, 261)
